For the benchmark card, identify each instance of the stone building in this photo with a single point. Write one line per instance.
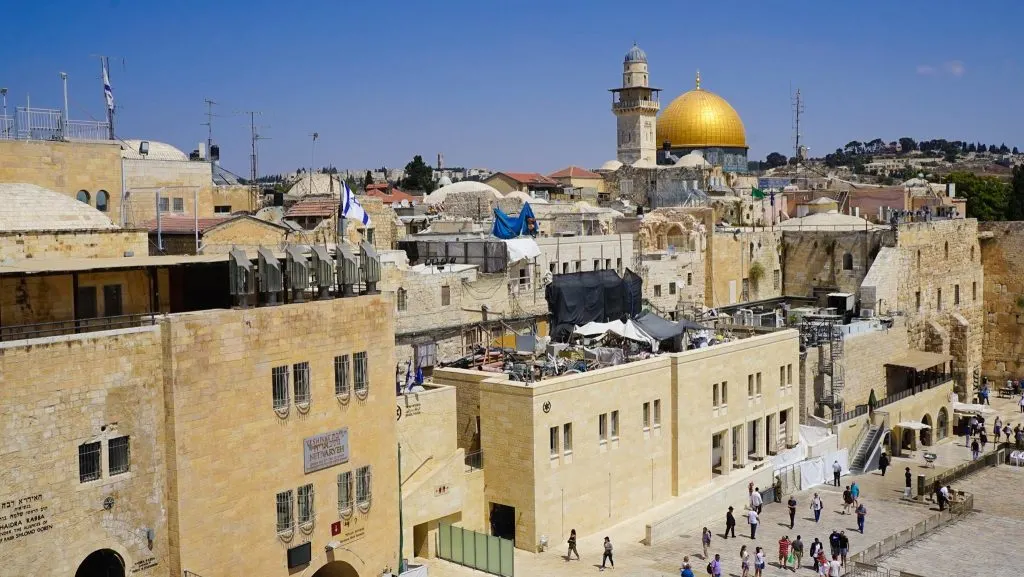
(745, 265)
(1002, 257)
(215, 235)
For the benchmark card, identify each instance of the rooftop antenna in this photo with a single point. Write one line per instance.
(209, 123)
(312, 161)
(254, 137)
(798, 109)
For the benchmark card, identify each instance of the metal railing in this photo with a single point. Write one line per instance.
(995, 458)
(856, 412)
(48, 124)
(7, 131)
(56, 328)
(920, 387)
(474, 461)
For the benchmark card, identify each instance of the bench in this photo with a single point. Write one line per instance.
(1005, 392)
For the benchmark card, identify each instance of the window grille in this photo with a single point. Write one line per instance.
(305, 498)
(446, 295)
(179, 204)
(426, 355)
(345, 493)
(284, 512)
(165, 204)
(280, 379)
(363, 487)
(88, 462)
(342, 385)
(118, 455)
(362, 373)
(671, 288)
(402, 298)
(301, 372)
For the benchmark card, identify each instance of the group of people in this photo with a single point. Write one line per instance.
(977, 435)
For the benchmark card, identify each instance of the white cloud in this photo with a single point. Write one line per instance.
(955, 68)
(925, 70)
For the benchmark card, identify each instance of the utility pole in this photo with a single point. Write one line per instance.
(798, 108)
(7, 123)
(312, 161)
(254, 173)
(64, 80)
(209, 124)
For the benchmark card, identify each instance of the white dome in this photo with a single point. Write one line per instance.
(644, 163)
(830, 220)
(443, 181)
(693, 160)
(30, 207)
(157, 151)
(520, 195)
(321, 185)
(438, 196)
(611, 166)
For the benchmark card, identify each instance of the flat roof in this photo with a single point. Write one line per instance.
(66, 265)
(919, 360)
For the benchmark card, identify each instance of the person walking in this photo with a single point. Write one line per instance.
(1021, 403)
(759, 562)
(844, 546)
(984, 440)
(907, 476)
(784, 551)
(744, 561)
(705, 541)
(716, 566)
(883, 462)
(798, 552)
(855, 493)
(823, 564)
(816, 506)
(686, 570)
(974, 450)
(756, 501)
(833, 541)
(997, 428)
(792, 510)
(572, 546)
(944, 497)
(837, 470)
(847, 500)
(753, 520)
(607, 557)
(973, 424)
(730, 524)
(862, 511)
(817, 548)
(1006, 431)
(835, 568)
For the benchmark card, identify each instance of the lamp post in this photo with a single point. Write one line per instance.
(7, 129)
(64, 80)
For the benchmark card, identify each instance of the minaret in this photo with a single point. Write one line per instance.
(635, 106)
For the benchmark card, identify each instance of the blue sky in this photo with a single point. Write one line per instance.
(515, 85)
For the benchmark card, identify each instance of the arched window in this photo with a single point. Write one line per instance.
(947, 250)
(83, 196)
(847, 261)
(403, 300)
(102, 198)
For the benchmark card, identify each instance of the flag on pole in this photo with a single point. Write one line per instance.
(757, 193)
(108, 94)
(351, 207)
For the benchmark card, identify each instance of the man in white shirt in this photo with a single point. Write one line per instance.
(835, 567)
(756, 502)
(753, 520)
(837, 470)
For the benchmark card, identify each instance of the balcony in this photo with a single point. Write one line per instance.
(47, 124)
(636, 104)
(68, 327)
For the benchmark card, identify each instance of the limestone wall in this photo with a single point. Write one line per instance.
(140, 206)
(246, 234)
(732, 255)
(49, 298)
(818, 260)
(879, 290)
(1002, 255)
(55, 395)
(864, 358)
(72, 244)
(674, 280)
(66, 167)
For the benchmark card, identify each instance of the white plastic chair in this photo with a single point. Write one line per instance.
(1017, 458)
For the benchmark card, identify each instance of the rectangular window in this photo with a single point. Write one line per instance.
(300, 371)
(647, 415)
(222, 209)
(725, 392)
(782, 376)
(777, 279)
(118, 455)
(618, 263)
(88, 462)
(657, 412)
(86, 306)
(280, 379)
(403, 300)
(715, 400)
(565, 268)
(524, 276)
(746, 290)
(671, 288)
(974, 291)
(938, 299)
(362, 373)
(305, 504)
(689, 279)
(597, 264)
(425, 355)
(789, 374)
(579, 266)
(607, 263)
(553, 441)
(750, 386)
(758, 383)
(369, 235)
(341, 381)
(917, 300)
(284, 511)
(179, 204)
(446, 295)
(345, 493)
(602, 427)
(363, 486)
(657, 290)
(615, 424)
(165, 204)
(956, 295)
(112, 304)
(552, 267)
(567, 437)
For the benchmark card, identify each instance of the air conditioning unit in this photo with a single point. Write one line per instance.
(297, 267)
(744, 317)
(348, 270)
(240, 277)
(271, 279)
(370, 265)
(323, 271)
(867, 313)
(769, 320)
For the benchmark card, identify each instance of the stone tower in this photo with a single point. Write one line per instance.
(636, 107)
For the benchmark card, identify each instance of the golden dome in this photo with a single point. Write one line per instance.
(701, 119)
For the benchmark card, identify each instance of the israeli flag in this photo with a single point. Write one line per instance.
(351, 207)
(108, 94)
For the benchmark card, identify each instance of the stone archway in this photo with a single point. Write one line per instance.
(908, 441)
(926, 434)
(336, 569)
(942, 424)
(101, 563)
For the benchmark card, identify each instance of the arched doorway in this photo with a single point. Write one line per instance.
(926, 434)
(942, 424)
(101, 563)
(907, 441)
(336, 569)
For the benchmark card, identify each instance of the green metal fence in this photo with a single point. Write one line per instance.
(476, 550)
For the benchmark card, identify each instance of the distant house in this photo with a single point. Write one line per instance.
(177, 234)
(391, 195)
(576, 177)
(532, 183)
(309, 212)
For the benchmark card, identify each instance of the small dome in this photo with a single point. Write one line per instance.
(693, 160)
(319, 185)
(461, 187)
(157, 151)
(443, 181)
(644, 163)
(611, 166)
(30, 207)
(635, 54)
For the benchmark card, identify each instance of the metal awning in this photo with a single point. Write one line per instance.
(913, 425)
(919, 360)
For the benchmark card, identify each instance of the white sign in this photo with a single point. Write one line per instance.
(325, 450)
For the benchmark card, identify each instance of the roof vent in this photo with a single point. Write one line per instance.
(240, 277)
(323, 271)
(297, 267)
(348, 270)
(271, 280)
(370, 264)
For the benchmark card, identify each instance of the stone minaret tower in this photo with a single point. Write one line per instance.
(636, 107)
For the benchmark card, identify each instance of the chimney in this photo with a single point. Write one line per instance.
(202, 151)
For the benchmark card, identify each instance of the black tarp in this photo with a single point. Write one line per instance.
(579, 298)
(659, 328)
(634, 292)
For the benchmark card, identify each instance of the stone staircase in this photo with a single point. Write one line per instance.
(865, 449)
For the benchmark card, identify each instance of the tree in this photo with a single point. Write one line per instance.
(1003, 149)
(853, 147)
(1015, 150)
(775, 159)
(351, 182)
(418, 175)
(367, 180)
(986, 195)
(907, 144)
(1015, 203)
(992, 149)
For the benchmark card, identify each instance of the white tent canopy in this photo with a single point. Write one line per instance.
(522, 248)
(913, 425)
(969, 409)
(628, 330)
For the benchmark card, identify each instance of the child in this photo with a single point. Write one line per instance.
(745, 561)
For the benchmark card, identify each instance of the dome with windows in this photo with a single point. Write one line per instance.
(635, 54)
(25, 207)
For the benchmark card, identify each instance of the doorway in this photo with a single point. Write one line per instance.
(336, 569)
(101, 563)
(503, 521)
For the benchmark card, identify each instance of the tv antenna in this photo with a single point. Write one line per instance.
(798, 109)
(210, 103)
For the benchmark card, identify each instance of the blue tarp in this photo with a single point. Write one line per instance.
(507, 227)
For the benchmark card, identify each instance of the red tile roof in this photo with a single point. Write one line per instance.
(184, 224)
(574, 172)
(529, 178)
(313, 207)
(394, 197)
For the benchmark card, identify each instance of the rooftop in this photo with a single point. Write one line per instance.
(321, 207)
(534, 178)
(183, 224)
(26, 207)
(575, 172)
